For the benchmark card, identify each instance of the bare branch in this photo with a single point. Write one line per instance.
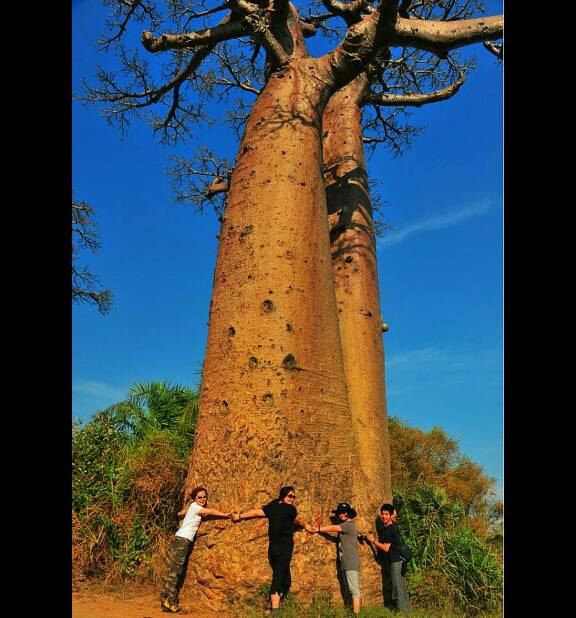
(217, 186)
(234, 73)
(494, 48)
(209, 36)
(415, 100)
(122, 27)
(201, 181)
(84, 236)
(124, 11)
(351, 11)
(314, 23)
(256, 21)
(390, 130)
(440, 37)
(195, 14)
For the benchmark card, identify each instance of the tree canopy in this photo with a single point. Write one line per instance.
(172, 59)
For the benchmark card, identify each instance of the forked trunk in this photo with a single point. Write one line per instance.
(358, 300)
(273, 408)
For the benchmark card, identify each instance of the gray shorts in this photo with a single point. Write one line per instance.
(353, 583)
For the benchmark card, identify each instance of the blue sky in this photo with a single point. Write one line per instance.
(440, 268)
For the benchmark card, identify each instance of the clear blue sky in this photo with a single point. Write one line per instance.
(440, 269)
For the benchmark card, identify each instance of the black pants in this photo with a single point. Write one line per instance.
(279, 557)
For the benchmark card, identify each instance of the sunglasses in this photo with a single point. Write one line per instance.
(290, 495)
(201, 497)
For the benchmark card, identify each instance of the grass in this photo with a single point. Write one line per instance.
(324, 607)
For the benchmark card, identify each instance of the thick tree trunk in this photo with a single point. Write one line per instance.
(273, 408)
(357, 296)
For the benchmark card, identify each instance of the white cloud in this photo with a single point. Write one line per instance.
(437, 222)
(447, 359)
(99, 389)
(425, 355)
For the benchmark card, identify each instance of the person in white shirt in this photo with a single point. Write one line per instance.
(182, 544)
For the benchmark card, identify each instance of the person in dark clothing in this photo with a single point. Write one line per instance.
(282, 515)
(389, 539)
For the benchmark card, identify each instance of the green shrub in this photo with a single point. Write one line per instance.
(453, 568)
(129, 465)
(128, 468)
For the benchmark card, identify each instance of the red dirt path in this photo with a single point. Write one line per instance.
(116, 605)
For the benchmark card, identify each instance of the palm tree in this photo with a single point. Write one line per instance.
(157, 406)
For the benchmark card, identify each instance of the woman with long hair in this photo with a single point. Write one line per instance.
(282, 515)
(193, 514)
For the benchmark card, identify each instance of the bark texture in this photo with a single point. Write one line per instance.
(355, 273)
(274, 404)
(273, 408)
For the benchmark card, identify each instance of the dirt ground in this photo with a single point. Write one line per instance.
(126, 605)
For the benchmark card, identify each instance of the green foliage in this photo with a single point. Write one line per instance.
(128, 468)
(436, 458)
(454, 572)
(95, 462)
(453, 569)
(160, 406)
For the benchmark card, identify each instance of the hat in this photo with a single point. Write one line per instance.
(344, 507)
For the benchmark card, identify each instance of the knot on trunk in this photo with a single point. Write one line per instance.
(289, 362)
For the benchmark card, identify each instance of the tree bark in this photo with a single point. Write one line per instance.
(355, 272)
(273, 407)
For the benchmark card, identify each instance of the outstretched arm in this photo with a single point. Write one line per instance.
(330, 528)
(300, 522)
(213, 512)
(236, 517)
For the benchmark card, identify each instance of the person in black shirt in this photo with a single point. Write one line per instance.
(389, 539)
(282, 516)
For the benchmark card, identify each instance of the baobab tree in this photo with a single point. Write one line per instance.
(352, 232)
(355, 269)
(274, 405)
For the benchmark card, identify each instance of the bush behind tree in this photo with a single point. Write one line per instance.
(128, 470)
(129, 466)
(453, 568)
(435, 458)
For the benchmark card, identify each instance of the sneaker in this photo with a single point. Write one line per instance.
(168, 606)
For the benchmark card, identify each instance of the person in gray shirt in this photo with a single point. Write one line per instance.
(347, 549)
